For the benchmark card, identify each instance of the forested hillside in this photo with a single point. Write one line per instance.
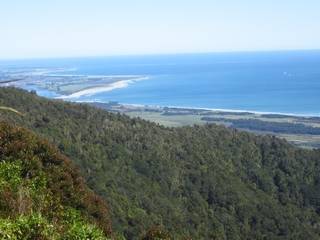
(42, 195)
(205, 182)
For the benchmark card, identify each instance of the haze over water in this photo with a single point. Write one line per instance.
(282, 82)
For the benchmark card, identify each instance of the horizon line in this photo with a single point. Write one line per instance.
(158, 54)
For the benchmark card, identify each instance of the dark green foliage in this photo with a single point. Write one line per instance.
(42, 195)
(157, 233)
(259, 125)
(205, 182)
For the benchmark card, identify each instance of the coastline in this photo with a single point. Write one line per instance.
(107, 88)
(234, 111)
(300, 130)
(250, 111)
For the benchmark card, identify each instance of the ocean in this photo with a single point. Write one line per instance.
(277, 82)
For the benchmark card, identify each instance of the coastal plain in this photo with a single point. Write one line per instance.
(301, 131)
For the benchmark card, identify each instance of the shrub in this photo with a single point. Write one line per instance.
(32, 227)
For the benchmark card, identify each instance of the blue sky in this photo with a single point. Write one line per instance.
(68, 28)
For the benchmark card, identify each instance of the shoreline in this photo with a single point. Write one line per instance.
(300, 129)
(247, 111)
(107, 88)
(234, 111)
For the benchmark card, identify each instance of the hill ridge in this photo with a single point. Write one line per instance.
(203, 182)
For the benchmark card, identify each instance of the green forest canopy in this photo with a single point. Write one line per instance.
(206, 182)
(42, 195)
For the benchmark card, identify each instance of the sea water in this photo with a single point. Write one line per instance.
(280, 82)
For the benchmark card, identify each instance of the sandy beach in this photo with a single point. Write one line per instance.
(107, 88)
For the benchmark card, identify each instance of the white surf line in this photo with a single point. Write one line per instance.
(248, 111)
(307, 115)
(107, 88)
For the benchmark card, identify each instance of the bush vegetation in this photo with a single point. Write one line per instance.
(275, 127)
(206, 182)
(42, 195)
